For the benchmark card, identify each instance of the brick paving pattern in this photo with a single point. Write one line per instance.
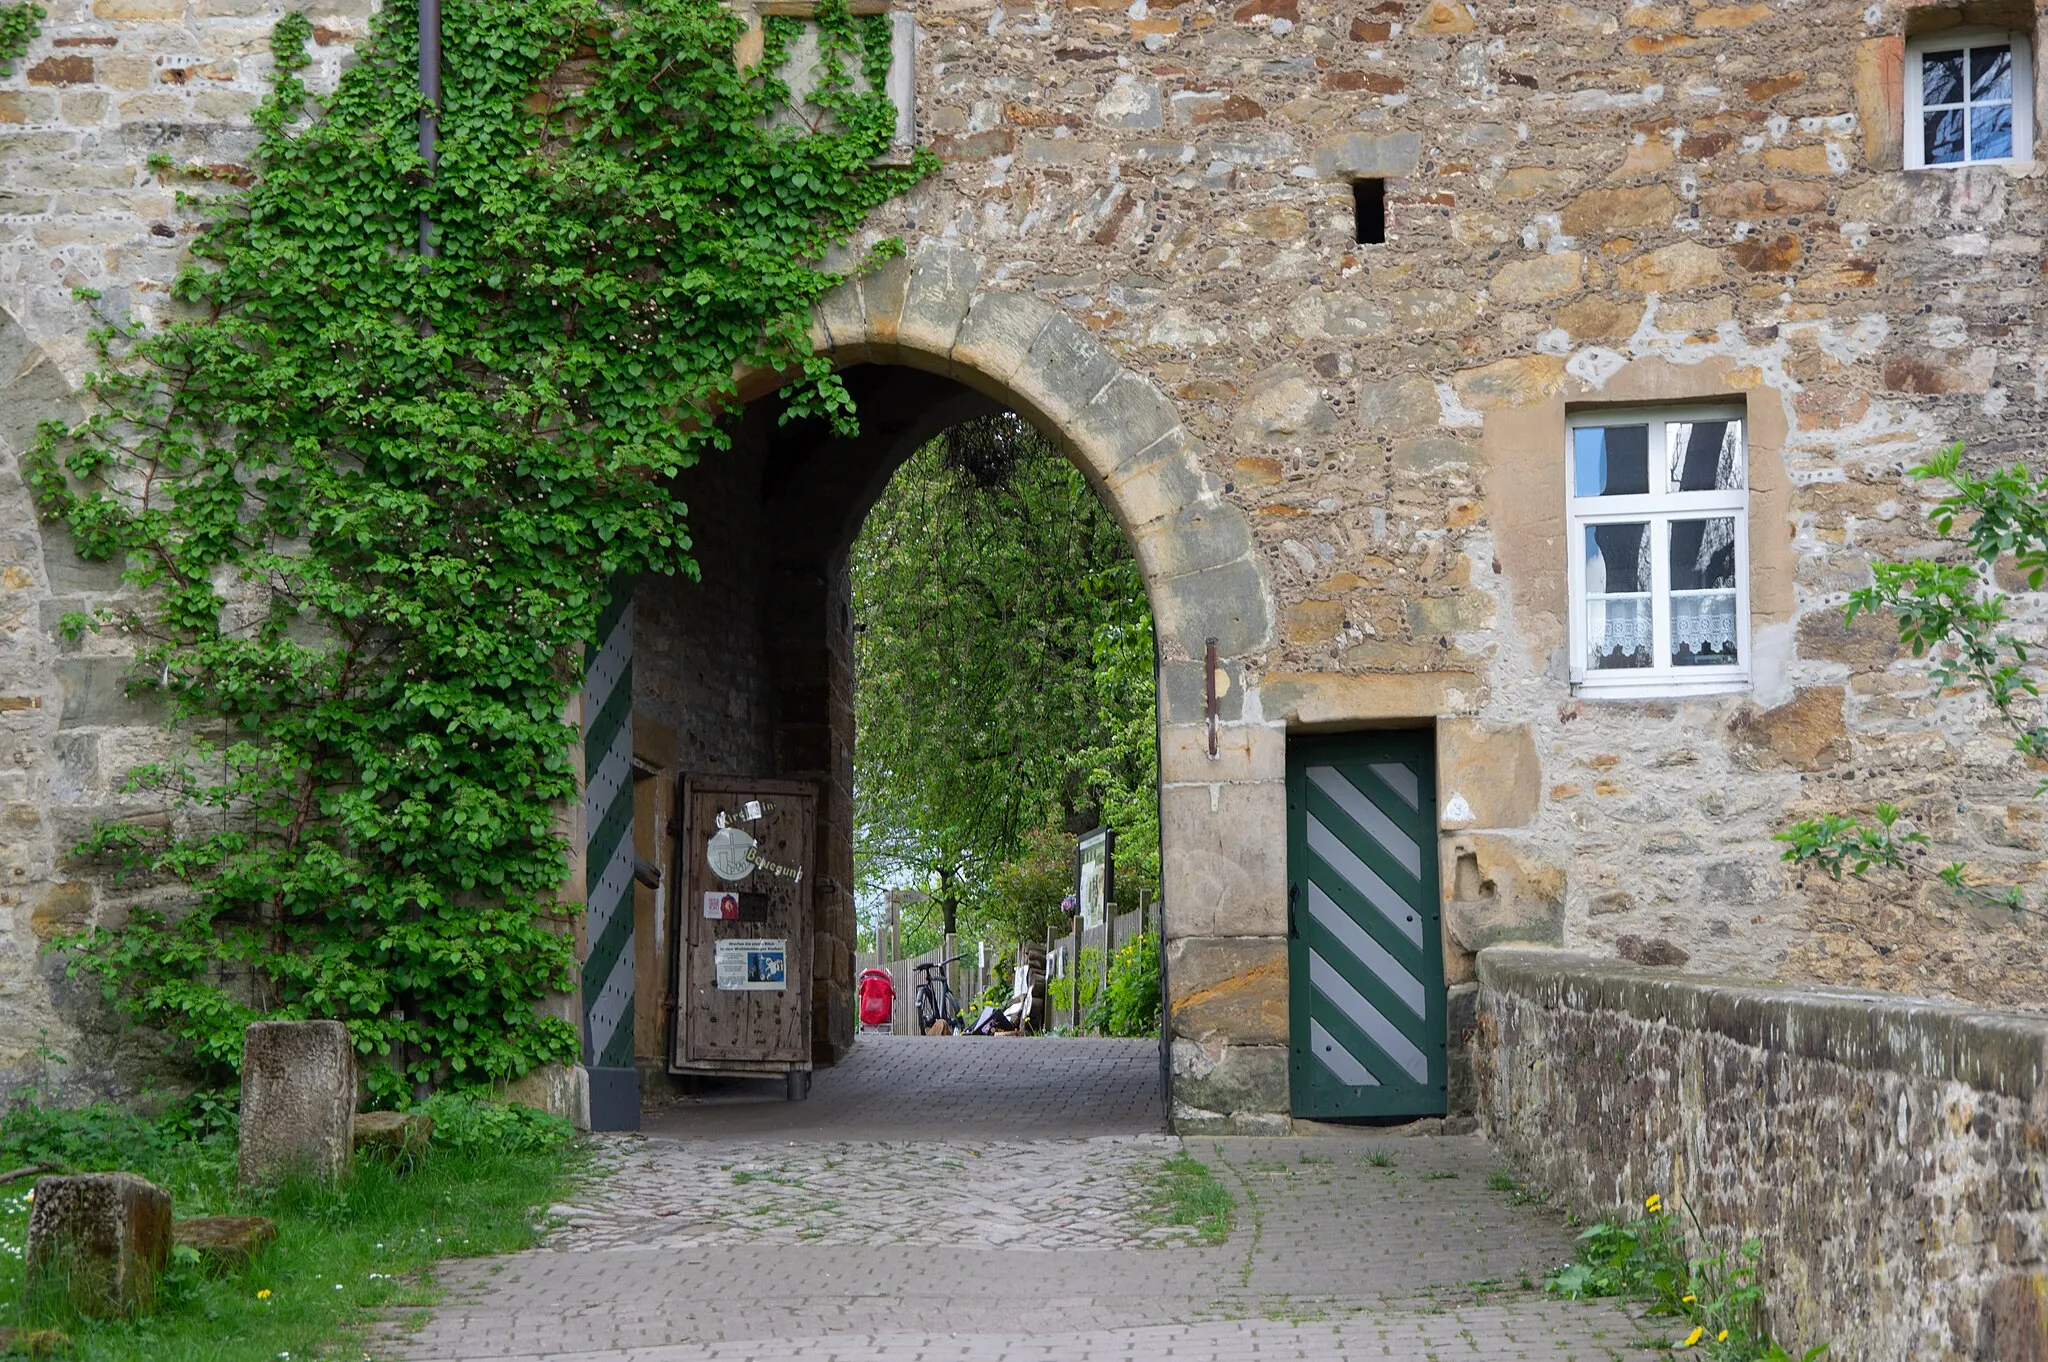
(864, 1246)
(939, 1087)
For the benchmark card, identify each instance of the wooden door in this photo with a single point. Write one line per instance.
(743, 926)
(1364, 949)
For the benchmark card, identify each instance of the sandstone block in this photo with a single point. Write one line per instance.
(1617, 210)
(298, 1100)
(1453, 614)
(1430, 453)
(1063, 371)
(1501, 888)
(1490, 774)
(1359, 154)
(71, 70)
(1330, 697)
(998, 333)
(226, 1240)
(394, 1134)
(1528, 182)
(1232, 1080)
(558, 1089)
(1600, 319)
(96, 693)
(1445, 16)
(66, 908)
(1514, 382)
(1769, 255)
(1314, 621)
(1651, 950)
(1229, 988)
(1671, 269)
(1231, 604)
(1284, 405)
(936, 299)
(1130, 103)
(1160, 479)
(1539, 278)
(1433, 309)
(1318, 315)
(100, 1241)
(1121, 425)
(1806, 733)
(1960, 372)
(881, 302)
(1244, 752)
(1229, 877)
(1879, 80)
(1869, 642)
(1399, 404)
(1199, 537)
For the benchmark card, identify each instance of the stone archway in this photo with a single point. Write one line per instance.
(1223, 816)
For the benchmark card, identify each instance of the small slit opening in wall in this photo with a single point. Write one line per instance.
(1369, 211)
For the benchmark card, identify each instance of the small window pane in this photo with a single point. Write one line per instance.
(1990, 73)
(1706, 456)
(1941, 78)
(1610, 461)
(1703, 554)
(1703, 592)
(1944, 137)
(1618, 612)
(1990, 132)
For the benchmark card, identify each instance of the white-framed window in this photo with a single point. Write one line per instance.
(1969, 98)
(1657, 535)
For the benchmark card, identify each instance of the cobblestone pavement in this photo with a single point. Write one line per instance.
(950, 1087)
(839, 1239)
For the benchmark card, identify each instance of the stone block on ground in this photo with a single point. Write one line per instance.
(393, 1133)
(225, 1240)
(298, 1101)
(100, 1240)
(34, 1342)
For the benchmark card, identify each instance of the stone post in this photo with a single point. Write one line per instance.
(99, 1239)
(298, 1100)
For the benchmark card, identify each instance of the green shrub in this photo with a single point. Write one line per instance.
(468, 1123)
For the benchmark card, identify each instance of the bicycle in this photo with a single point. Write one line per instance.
(934, 998)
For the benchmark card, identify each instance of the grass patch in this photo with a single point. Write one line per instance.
(1380, 1158)
(1185, 1192)
(342, 1254)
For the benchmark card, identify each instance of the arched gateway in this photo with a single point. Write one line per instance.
(749, 672)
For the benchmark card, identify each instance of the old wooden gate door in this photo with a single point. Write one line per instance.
(1364, 945)
(741, 966)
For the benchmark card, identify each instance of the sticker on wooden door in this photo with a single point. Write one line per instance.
(1364, 949)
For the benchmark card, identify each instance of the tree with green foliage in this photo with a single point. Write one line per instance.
(1949, 609)
(370, 501)
(1005, 678)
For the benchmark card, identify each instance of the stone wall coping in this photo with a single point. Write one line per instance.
(1998, 1052)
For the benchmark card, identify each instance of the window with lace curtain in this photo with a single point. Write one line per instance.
(1659, 550)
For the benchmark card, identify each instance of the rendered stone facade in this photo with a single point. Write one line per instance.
(1344, 461)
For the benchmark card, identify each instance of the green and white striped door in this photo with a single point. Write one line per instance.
(608, 851)
(1364, 948)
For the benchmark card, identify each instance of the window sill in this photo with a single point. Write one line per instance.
(1658, 687)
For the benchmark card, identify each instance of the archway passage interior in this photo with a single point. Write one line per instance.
(747, 673)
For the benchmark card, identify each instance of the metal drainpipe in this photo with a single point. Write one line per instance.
(430, 92)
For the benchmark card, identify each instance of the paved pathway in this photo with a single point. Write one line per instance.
(939, 1087)
(861, 1247)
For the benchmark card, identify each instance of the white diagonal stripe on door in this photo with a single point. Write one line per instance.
(1333, 919)
(1400, 780)
(1332, 1055)
(1367, 815)
(1360, 876)
(1367, 1018)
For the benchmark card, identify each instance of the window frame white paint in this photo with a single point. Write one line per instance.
(1659, 507)
(2022, 95)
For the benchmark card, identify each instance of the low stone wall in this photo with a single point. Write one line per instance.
(1891, 1153)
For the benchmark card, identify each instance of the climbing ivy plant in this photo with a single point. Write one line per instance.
(368, 500)
(19, 25)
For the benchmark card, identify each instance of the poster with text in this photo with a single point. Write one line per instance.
(753, 965)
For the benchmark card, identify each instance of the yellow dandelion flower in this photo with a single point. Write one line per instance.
(264, 1294)
(1721, 1337)
(1698, 1333)
(1654, 1202)
(1690, 1299)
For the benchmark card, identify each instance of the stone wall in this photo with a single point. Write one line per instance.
(1891, 1154)
(1589, 201)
